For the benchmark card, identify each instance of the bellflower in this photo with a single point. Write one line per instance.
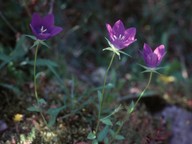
(43, 27)
(120, 37)
(153, 58)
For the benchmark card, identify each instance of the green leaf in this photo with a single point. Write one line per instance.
(117, 109)
(106, 121)
(95, 142)
(125, 53)
(20, 49)
(91, 136)
(35, 44)
(44, 44)
(31, 36)
(102, 134)
(131, 107)
(40, 42)
(106, 140)
(109, 86)
(99, 94)
(43, 62)
(119, 123)
(34, 109)
(39, 74)
(53, 112)
(119, 137)
(11, 87)
(112, 133)
(56, 74)
(148, 69)
(42, 101)
(4, 57)
(112, 48)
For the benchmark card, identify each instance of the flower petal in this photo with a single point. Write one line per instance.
(151, 60)
(40, 36)
(55, 30)
(147, 49)
(119, 37)
(110, 31)
(130, 33)
(160, 52)
(119, 44)
(33, 30)
(44, 36)
(48, 21)
(118, 28)
(36, 20)
(128, 42)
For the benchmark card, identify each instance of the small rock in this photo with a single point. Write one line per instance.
(98, 75)
(180, 121)
(3, 126)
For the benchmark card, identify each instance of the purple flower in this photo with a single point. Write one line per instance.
(43, 27)
(153, 58)
(120, 37)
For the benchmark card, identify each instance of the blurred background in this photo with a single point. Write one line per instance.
(75, 56)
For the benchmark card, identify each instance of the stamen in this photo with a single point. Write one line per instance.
(114, 36)
(121, 37)
(43, 30)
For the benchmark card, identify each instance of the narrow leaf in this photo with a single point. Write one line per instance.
(53, 112)
(33, 109)
(43, 62)
(95, 142)
(31, 37)
(99, 94)
(106, 140)
(11, 87)
(119, 137)
(125, 53)
(131, 107)
(41, 101)
(44, 44)
(91, 136)
(106, 121)
(119, 123)
(102, 134)
(4, 57)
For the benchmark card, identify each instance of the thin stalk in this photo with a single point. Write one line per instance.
(35, 81)
(142, 93)
(103, 92)
(34, 72)
(127, 118)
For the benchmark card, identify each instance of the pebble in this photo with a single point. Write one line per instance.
(180, 121)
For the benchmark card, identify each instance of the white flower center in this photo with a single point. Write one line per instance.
(121, 37)
(43, 30)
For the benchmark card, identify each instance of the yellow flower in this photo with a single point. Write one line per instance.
(18, 117)
(167, 79)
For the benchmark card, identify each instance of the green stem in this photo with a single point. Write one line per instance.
(35, 81)
(127, 118)
(119, 129)
(142, 93)
(105, 78)
(103, 92)
(34, 72)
